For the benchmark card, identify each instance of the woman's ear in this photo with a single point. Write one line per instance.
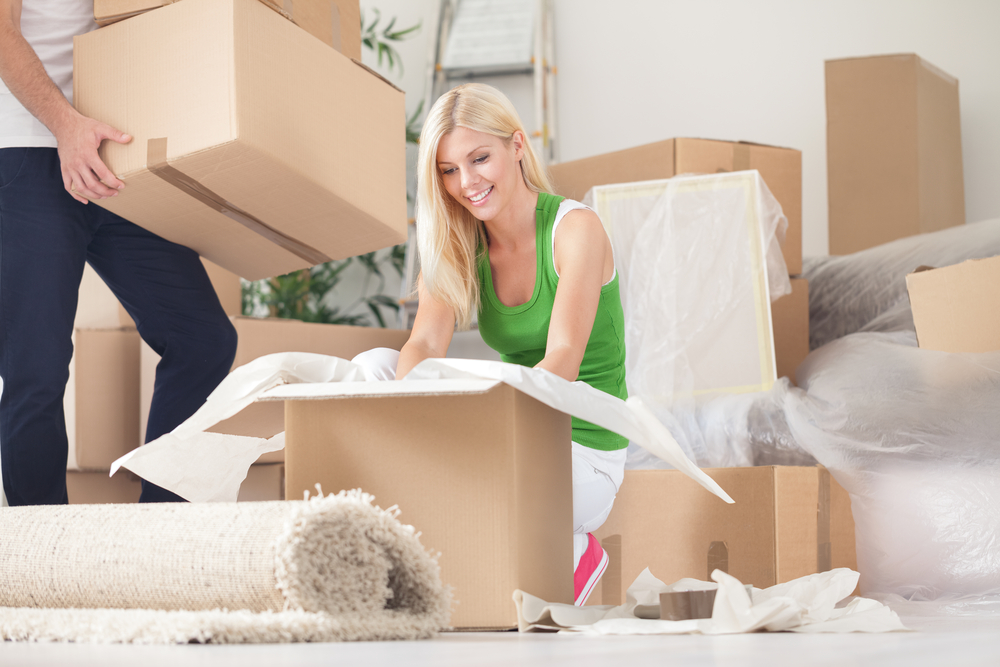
(518, 140)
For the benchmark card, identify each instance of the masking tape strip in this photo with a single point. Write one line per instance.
(718, 558)
(824, 556)
(156, 162)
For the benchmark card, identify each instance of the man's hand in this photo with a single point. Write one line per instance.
(85, 176)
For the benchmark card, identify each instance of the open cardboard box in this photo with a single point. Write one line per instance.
(787, 522)
(258, 337)
(957, 308)
(254, 144)
(480, 469)
(335, 22)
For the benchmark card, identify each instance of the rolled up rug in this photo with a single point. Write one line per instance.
(333, 568)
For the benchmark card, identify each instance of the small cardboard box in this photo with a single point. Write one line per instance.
(335, 22)
(96, 488)
(787, 522)
(98, 308)
(263, 482)
(957, 308)
(893, 150)
(101, 402)
(260, 336)
(781, 169)
(790, 324)
(481, 470)
(254, 144)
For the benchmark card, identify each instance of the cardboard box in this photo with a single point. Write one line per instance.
(781, 169)
(98, 308)
(93, 488)
(787, 522)
(481, 470)
(790, 324)
(260, 336)
(893, 150)
(263, 482)
(957, 308)
(254, 144)
(101, 402)
(335, 22)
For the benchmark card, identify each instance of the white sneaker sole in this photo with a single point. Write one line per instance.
(595, 576)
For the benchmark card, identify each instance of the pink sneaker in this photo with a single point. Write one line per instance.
(592, 566)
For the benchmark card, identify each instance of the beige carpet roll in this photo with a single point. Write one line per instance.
(327, 568)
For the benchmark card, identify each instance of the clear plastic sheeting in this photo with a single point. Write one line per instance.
(866, 291)
(914, 437)
(700, 260)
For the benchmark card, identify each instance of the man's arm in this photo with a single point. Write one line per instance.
(77, 137)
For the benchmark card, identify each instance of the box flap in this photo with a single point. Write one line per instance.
(330, 390)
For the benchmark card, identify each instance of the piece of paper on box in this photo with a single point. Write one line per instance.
(807, 604)
(211, 469)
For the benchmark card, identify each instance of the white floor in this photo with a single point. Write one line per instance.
(963, 643)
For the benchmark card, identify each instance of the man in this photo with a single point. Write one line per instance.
(49, 169)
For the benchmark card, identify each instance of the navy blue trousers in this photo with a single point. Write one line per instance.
(46, 236)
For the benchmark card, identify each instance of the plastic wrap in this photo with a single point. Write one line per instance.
(866, 291)
(699, 259)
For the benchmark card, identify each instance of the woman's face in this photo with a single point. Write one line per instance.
(480, 171)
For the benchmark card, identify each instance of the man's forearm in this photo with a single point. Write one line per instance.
(24, 75)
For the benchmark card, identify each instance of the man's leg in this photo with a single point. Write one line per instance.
(166, 290)
(43, 238)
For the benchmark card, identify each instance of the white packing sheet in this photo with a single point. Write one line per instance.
(806, 604)
(204, 467)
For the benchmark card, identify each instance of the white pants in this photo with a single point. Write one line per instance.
(597, 475)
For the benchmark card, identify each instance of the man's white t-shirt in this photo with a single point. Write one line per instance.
(49, 27)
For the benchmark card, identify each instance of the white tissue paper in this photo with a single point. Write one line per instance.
(807, 604)
(209, 467)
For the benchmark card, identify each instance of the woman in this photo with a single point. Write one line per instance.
(537, 269)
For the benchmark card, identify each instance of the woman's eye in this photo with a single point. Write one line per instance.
(448, 171)
(481, 159)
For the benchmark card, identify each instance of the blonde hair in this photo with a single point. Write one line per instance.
(449, 237)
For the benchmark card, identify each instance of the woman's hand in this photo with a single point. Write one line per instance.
(433, 328)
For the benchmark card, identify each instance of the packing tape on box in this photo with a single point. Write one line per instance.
(156, 162)
(203, 469)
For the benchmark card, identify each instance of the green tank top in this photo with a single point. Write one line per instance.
(519, 333)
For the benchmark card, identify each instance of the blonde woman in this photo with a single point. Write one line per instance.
(535, 268)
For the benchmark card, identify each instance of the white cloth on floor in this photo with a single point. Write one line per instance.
(806, 604)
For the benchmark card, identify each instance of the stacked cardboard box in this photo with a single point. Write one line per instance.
(894, 150)
(781, 169)
(787, 522)
(957, 308)
(254, 143)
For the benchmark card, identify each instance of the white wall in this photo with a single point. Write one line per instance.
(636, 71)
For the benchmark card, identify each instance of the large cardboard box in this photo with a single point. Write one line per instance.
(781, 169)
(258, 337)
(98, 308)
(893, 150)
(790, 325)
(93, 488)
(481, 470)
(101, 402)
(263, 482)
(957, 308)
(787, 522)
(254, 144)
(335, 22)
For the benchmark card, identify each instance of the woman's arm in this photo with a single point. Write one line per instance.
(433, 328)
(584, 262)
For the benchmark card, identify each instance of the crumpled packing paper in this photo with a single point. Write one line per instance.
(209, 467)
(806, 604)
